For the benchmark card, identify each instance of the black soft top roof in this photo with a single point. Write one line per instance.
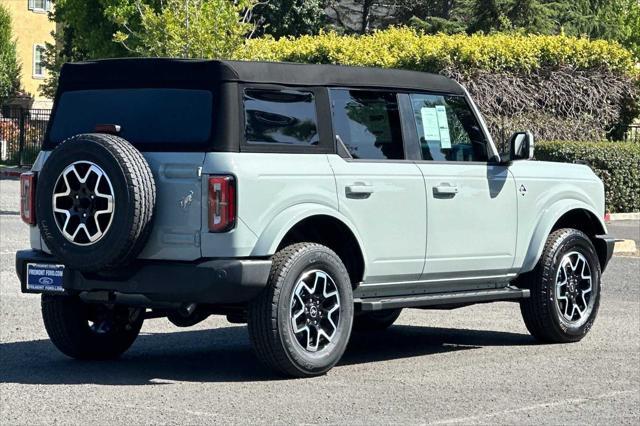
(163, 72)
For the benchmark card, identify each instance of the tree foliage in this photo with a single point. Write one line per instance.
(85, 31)
(558, 86)
(9, 65)
(292, 18)
(188, 28)
(120, 28)
(92, 25)
(617, 20)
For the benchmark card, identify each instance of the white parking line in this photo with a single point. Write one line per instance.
(533, 407)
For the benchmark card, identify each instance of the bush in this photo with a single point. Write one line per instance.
(560, 87)
(468, 54)
(616, 163)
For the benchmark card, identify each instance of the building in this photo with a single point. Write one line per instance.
(32, 29)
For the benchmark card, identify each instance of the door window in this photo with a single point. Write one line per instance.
(447, 129)
(280, 117)
(368, 123)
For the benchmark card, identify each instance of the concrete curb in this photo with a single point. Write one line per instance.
(625, 246)
(612, 217)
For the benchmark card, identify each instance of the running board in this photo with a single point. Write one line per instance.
(457, 298)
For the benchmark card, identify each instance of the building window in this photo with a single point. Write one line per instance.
(38, 63)
(40, 5)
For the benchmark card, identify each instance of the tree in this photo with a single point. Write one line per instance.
(292, 18)
(532, 16)
(93, 24)
(189, 28)
(486, 15)
(85, 31)
(618, 20)
(435, 24)
(9, 65)
(362, 16)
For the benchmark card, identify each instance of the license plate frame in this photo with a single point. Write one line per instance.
(45, 278)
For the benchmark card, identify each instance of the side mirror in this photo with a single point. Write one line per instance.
(521, 146)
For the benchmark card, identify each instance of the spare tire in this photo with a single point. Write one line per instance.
(95, 201)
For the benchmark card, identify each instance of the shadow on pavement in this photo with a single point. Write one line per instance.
(222, 355)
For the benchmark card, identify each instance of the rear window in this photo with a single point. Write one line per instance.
(280, 117)
(146, 116)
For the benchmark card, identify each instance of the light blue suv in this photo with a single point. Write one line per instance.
(306, 200)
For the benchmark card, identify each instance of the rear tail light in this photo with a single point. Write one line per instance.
(28, 198)
(222, 203)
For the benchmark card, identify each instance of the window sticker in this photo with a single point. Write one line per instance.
(445, 137)
(430, 125)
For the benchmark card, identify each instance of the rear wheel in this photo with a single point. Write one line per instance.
(565, 289)
(376, 320)
(90, 331)
(300, 324)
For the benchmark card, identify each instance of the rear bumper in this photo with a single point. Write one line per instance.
(605, 245)
(207, 281)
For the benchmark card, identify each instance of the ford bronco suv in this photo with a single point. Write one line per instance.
(304, 200)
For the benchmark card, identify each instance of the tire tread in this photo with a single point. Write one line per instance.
(538, 310)
(263, 311)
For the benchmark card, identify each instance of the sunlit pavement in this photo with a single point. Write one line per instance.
(472, 365)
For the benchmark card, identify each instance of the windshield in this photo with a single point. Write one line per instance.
(146, 116)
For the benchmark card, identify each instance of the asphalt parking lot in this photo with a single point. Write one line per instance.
(472, 365)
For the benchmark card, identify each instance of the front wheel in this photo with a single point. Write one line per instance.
(565, 289)
(300, 324)
(90, 331)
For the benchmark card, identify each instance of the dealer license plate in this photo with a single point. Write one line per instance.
(45, 277)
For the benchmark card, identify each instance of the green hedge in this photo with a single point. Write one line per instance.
(559, 87)
(408, 49)
(616, 163)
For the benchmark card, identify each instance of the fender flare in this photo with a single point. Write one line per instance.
(548, 218)
(282, 223)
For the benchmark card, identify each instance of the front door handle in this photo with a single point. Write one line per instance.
(358, 190)
(445, 189)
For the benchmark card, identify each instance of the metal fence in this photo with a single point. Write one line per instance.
(21, 135)
(633, 133)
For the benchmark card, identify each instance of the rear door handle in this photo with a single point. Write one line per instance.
(358, 190)
(445, 189)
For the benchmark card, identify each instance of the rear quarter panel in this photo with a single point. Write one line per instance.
(270, 187)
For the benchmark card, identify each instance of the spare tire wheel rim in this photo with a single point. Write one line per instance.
(83, 203)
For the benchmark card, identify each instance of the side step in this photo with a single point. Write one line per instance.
(457, 298)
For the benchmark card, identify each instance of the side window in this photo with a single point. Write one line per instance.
(280, 117)
(447, 129)
(368, 123)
